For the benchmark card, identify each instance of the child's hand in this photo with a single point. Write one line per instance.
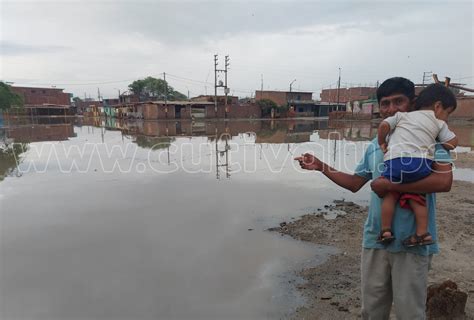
(384, 147)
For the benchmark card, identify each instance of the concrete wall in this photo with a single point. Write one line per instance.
(150, 111)
(347, 94)
(245, 111)
(341, 115)
(465, 108)
(279, 97)
(162, 114)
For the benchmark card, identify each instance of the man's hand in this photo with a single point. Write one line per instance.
(381, 186)
(310, 162)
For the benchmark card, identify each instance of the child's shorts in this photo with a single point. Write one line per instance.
(406, 170)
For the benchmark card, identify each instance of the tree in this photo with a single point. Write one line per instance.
(154, 143)
(8, 98)
(267, 105)
(154, 89)
(10, 157)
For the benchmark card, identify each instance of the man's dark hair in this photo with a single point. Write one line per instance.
(433, 93)
(396, 85)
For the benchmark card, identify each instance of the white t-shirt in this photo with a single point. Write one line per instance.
(414, 134)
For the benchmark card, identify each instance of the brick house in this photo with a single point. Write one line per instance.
(282, 98)
(348, 94)
(40, 96)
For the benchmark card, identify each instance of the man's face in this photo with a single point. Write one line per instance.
(393, 104)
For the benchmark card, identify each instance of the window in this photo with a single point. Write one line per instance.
(33, 91)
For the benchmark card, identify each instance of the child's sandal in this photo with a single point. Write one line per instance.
(416, 240)
(385, 240)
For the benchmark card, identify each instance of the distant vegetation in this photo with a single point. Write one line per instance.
(10, 157)
(155, 89)
(267, 105)
(154, 143)
(8, 98)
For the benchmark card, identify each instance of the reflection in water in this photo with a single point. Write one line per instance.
(10, 155)
(222, 157)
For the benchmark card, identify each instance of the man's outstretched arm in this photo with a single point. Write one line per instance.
(351, 182)
(439, 181)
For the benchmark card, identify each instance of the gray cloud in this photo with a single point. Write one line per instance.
(102, 41)
(9, 48)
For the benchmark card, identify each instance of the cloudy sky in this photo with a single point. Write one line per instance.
(85, 45)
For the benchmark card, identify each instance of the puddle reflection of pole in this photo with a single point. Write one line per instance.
(217, 159)
(225, 153)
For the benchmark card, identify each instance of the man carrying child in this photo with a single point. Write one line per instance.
(392, 272)
(409, 153)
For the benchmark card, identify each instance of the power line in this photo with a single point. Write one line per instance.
(462, 78)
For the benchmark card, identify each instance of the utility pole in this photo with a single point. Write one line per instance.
(290, 96)
(166, 95)
(226, 89)
(261, 85)
(220, 83)
(427, 76)
(166, 87)
(98, 93)
(215, 84)
(338, 88)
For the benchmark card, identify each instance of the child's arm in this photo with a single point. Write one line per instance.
(451, 144)
(447, 138)
(383, 131)
(387, 126)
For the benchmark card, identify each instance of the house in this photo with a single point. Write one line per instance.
(44, 101)
(40, 96)
(344, 95)
(284, 98)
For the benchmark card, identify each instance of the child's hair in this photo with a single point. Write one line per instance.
(396, 85)
(433, 93)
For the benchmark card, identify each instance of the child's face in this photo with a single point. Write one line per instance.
(442, 113)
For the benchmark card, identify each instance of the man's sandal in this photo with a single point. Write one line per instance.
(385, 240)
(416, 240)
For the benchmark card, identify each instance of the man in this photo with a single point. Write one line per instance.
(392, 273)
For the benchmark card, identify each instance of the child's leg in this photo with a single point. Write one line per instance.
(421, 218)
(388, 208)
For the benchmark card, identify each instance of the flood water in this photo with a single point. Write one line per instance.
(162, 220)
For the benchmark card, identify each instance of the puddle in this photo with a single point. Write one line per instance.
(147, 220)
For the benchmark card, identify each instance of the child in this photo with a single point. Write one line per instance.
(409, 155)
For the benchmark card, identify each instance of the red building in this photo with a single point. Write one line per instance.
(41, 96)
(282, 98)
(348, 94)
(42, 102)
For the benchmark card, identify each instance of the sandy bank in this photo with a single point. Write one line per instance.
(333, 288)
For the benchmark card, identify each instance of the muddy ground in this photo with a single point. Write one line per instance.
(333, 288)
